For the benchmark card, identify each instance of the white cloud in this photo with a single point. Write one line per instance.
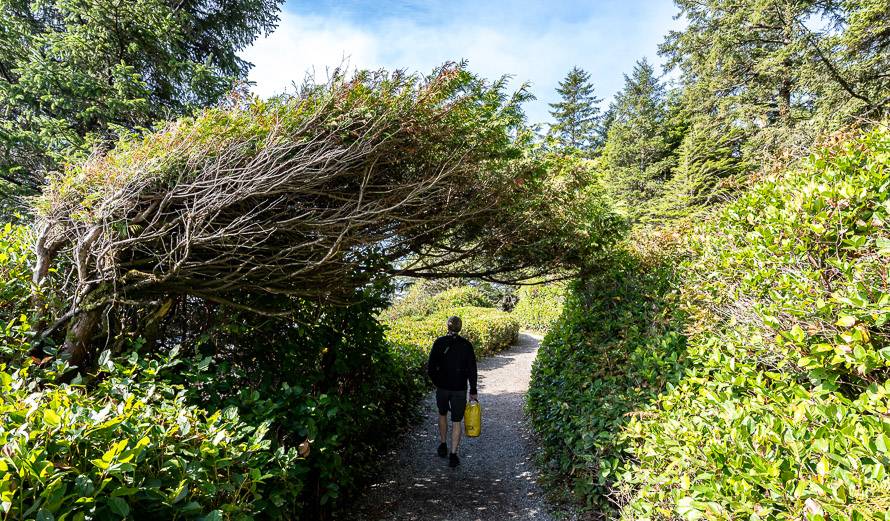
(304, 45)
(537, 51)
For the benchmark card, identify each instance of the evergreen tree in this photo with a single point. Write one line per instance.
(744, 56)
(767, 66)
(639, 151)
(605, 123)
(577, 115)
(75, 74)
(853, 63)
(709, 165)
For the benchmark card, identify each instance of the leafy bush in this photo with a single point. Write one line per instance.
(325, 382)
(15, 271)
(783, 415)
(216, 436)
(539, 306)
(122, 440)
(780, 412)
(464, 296)
(616, 345)
(15, 286)
(420, 302)
(489, 330)
(131, 443)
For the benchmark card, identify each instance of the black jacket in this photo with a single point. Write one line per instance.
(452, 364)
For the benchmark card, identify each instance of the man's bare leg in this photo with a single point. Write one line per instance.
(455, 436)
(443, 427)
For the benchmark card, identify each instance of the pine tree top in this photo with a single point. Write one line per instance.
(577, 114)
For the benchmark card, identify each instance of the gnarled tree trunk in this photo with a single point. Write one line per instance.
(77, 348)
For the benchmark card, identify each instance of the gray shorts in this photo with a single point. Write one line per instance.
(454, 401)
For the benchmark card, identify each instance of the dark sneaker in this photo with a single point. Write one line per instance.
(443, 450)
(453, 460)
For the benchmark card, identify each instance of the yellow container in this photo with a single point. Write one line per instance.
(473, 419)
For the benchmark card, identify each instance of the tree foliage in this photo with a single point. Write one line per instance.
(281, 220)
(577, 115)
(782, 70)
(638, 156)
(710, 167)
(741, 367)
(746, 376)
(77, 74)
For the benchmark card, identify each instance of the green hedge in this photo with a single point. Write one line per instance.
(419, 318)
(490, 330)
(419, 302)
(539, 306)
(615, 347)
(772, 403)
(462, 296)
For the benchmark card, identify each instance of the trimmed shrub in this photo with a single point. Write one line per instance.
(463, 296)
(615, 347)
(419, 302)
(539, 306)
(490, 330)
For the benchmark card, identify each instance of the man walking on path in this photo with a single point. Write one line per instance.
(451, 365)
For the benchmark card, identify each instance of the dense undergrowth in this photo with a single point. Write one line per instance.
(209, 430)
(539, 306)
(743, 372)
(124, 441)
(264, 379)
(133, 444)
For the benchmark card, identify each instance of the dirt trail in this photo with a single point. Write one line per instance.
(496, 480)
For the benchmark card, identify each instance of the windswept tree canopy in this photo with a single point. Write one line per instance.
(316, 195)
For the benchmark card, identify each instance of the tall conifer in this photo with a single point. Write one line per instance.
(77, 74)
(577, 115)
(638, 155)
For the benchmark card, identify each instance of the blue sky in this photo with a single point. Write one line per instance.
(534, 41)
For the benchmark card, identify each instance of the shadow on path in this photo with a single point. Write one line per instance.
(497, 477)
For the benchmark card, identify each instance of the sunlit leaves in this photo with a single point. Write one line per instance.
(119, 449)
(781, 412)
(490, 330)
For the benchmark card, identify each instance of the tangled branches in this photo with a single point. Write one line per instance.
(311, 196)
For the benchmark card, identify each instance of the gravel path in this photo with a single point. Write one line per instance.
(496, 477)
